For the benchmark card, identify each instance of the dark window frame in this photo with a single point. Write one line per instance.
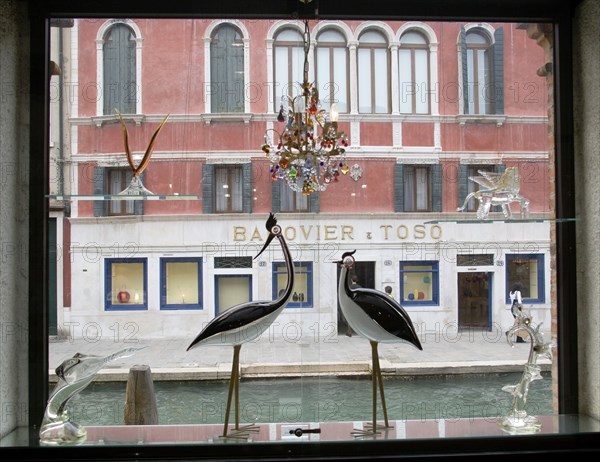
(541, 277)
(108, 304)
(559, 14)
(280, 268)
(434, 281)
(163, 284)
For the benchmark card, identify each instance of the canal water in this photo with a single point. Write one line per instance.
(318, 399)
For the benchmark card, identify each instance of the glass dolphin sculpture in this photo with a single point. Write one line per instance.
(74, 374)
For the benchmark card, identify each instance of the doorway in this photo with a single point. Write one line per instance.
(364, 271)
(474, 298)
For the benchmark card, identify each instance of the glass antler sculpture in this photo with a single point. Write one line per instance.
(136, 188)
(74, 374)
(518, 421)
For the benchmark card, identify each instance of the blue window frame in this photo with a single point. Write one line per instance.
(528, 271)
(181, 283)
(419, 283)
(125, 284)
(302, 295)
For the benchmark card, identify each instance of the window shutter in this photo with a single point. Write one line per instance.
(208, 181)
(110, 73)
(436, 188)
(99, 206)
(465, 70)
(314, 202)
(463, 181)
(138, 206)
(498, 56)
(399, 188)
(276, 195)
(247, 188)
(119, 71)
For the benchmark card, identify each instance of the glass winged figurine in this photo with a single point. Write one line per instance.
(518, 421)
(74, 374)
(497, 189)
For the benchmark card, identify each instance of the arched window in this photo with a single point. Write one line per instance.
(227, 70)
(414, 74)
(332, 70)
(119, 55)
(483, 71)
(373, 73)
(288, 65)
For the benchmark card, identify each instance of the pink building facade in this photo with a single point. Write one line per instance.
(425, 106)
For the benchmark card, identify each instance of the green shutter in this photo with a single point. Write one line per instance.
(99, 190)
(399, 188)
(208, 179)
(119, 70)
(227, 71)
(498, 56)
(465, 69)
(463, 181)
(436, 188)
(247, 188)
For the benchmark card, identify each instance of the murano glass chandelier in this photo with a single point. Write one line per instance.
(308, 153)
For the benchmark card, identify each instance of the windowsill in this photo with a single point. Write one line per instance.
(417, 437)
(481, 119)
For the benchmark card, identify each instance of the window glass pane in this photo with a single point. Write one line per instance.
(182, 283)
(127, 283)
(340, 82)
(421, 81)
(232, 290)
(397, 202)
(405, 79)
(281, 75)
(381, 81)
(364, 80)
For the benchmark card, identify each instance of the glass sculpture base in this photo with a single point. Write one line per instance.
(135, 188)
(62, 433)
(519, 423)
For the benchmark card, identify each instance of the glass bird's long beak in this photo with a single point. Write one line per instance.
(269, 239)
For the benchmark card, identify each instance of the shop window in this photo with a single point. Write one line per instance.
(232, 290)
(227, 70)
(528, 272)
(419, 283)
(181, 283)
(302, 296)
(126, 284)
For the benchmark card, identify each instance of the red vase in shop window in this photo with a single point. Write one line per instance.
(123, 296)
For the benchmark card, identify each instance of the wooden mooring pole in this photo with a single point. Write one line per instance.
(140, 400)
